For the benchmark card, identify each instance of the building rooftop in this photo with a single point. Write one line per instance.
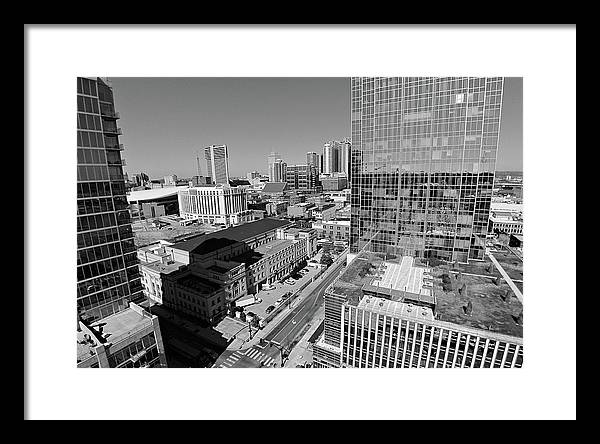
(273, 247)
(121, 325)
(492, 307)
(167, 268)
(238, 233)
(395, 308)
(213, 244)
(153, 194)
(198, 284)
(274, 187)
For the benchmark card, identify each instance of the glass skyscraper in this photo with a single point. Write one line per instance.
(107, 266)
(423, 163)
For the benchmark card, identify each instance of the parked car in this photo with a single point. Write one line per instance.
(269, 309)
(290, 281)
(286, 295)
(278, 301)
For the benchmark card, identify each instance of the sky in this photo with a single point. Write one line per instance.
(167, 121)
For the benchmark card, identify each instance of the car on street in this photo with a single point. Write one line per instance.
(278, 301)
(290, 281)
(286, 295)
(269, 309)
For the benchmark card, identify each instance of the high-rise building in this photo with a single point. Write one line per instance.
(217, 163)
(391, 313)
(344, 157)
(112, 331)
(302, 177)
(423, 164)
(274, 172)
(313, 159)
(330, 158)
(107, 267)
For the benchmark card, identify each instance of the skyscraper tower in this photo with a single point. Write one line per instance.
(272, 158)
(313, 159)
(217, 163)
(107, 266)
(423, 164)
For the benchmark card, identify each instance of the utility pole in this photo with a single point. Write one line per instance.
(250, 329)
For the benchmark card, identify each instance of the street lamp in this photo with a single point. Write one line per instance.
(281, 349)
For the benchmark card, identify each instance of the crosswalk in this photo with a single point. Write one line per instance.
(260, 357)
(251, 353)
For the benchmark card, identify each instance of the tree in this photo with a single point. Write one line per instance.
(326, 260)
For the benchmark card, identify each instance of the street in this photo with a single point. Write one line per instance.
(286, 331)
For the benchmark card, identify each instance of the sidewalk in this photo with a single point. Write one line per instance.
(302, 352)
(238, 344)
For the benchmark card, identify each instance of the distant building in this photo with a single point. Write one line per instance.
(301, 210)
(273, 190)
(334, 181)
(505, 222)
(219, 204)
(277, 168)
(199, 181)
(170, 180)
(276, 208)
(217, 163)
(147, 204)
(302, 177)
(314, 159)
(324, 212)
(334, 230)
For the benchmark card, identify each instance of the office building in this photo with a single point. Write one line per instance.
(112, 331)
(107, 267)
(314, 159)
(334, 230)
(219, 204)
(302, 177)
(392, 313)
(423, 163)
(276, 167)
(217, 164)
(170, 180)
(330, 158)
(334, 181)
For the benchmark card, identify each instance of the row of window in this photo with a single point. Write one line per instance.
(87, 104)
(95, 269)
(102, 297)
(98, 283)
(89, 139)
(86, 86)
(146, 342)
(93, 254)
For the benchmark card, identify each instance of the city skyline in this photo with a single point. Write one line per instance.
(253, 117)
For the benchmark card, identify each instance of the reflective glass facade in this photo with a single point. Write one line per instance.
(107, 266)
(423, 163)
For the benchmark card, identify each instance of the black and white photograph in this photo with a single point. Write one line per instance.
(271, 235)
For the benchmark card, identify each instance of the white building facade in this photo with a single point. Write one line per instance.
(215, 205)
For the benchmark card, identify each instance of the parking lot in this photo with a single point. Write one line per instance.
(270, 296)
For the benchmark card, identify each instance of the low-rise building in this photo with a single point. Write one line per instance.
(505, 222)
(129, 338)
(301, 210)
(325, 212)
(189, 293)
(334, 181)
(220, 204)
(334, 230)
